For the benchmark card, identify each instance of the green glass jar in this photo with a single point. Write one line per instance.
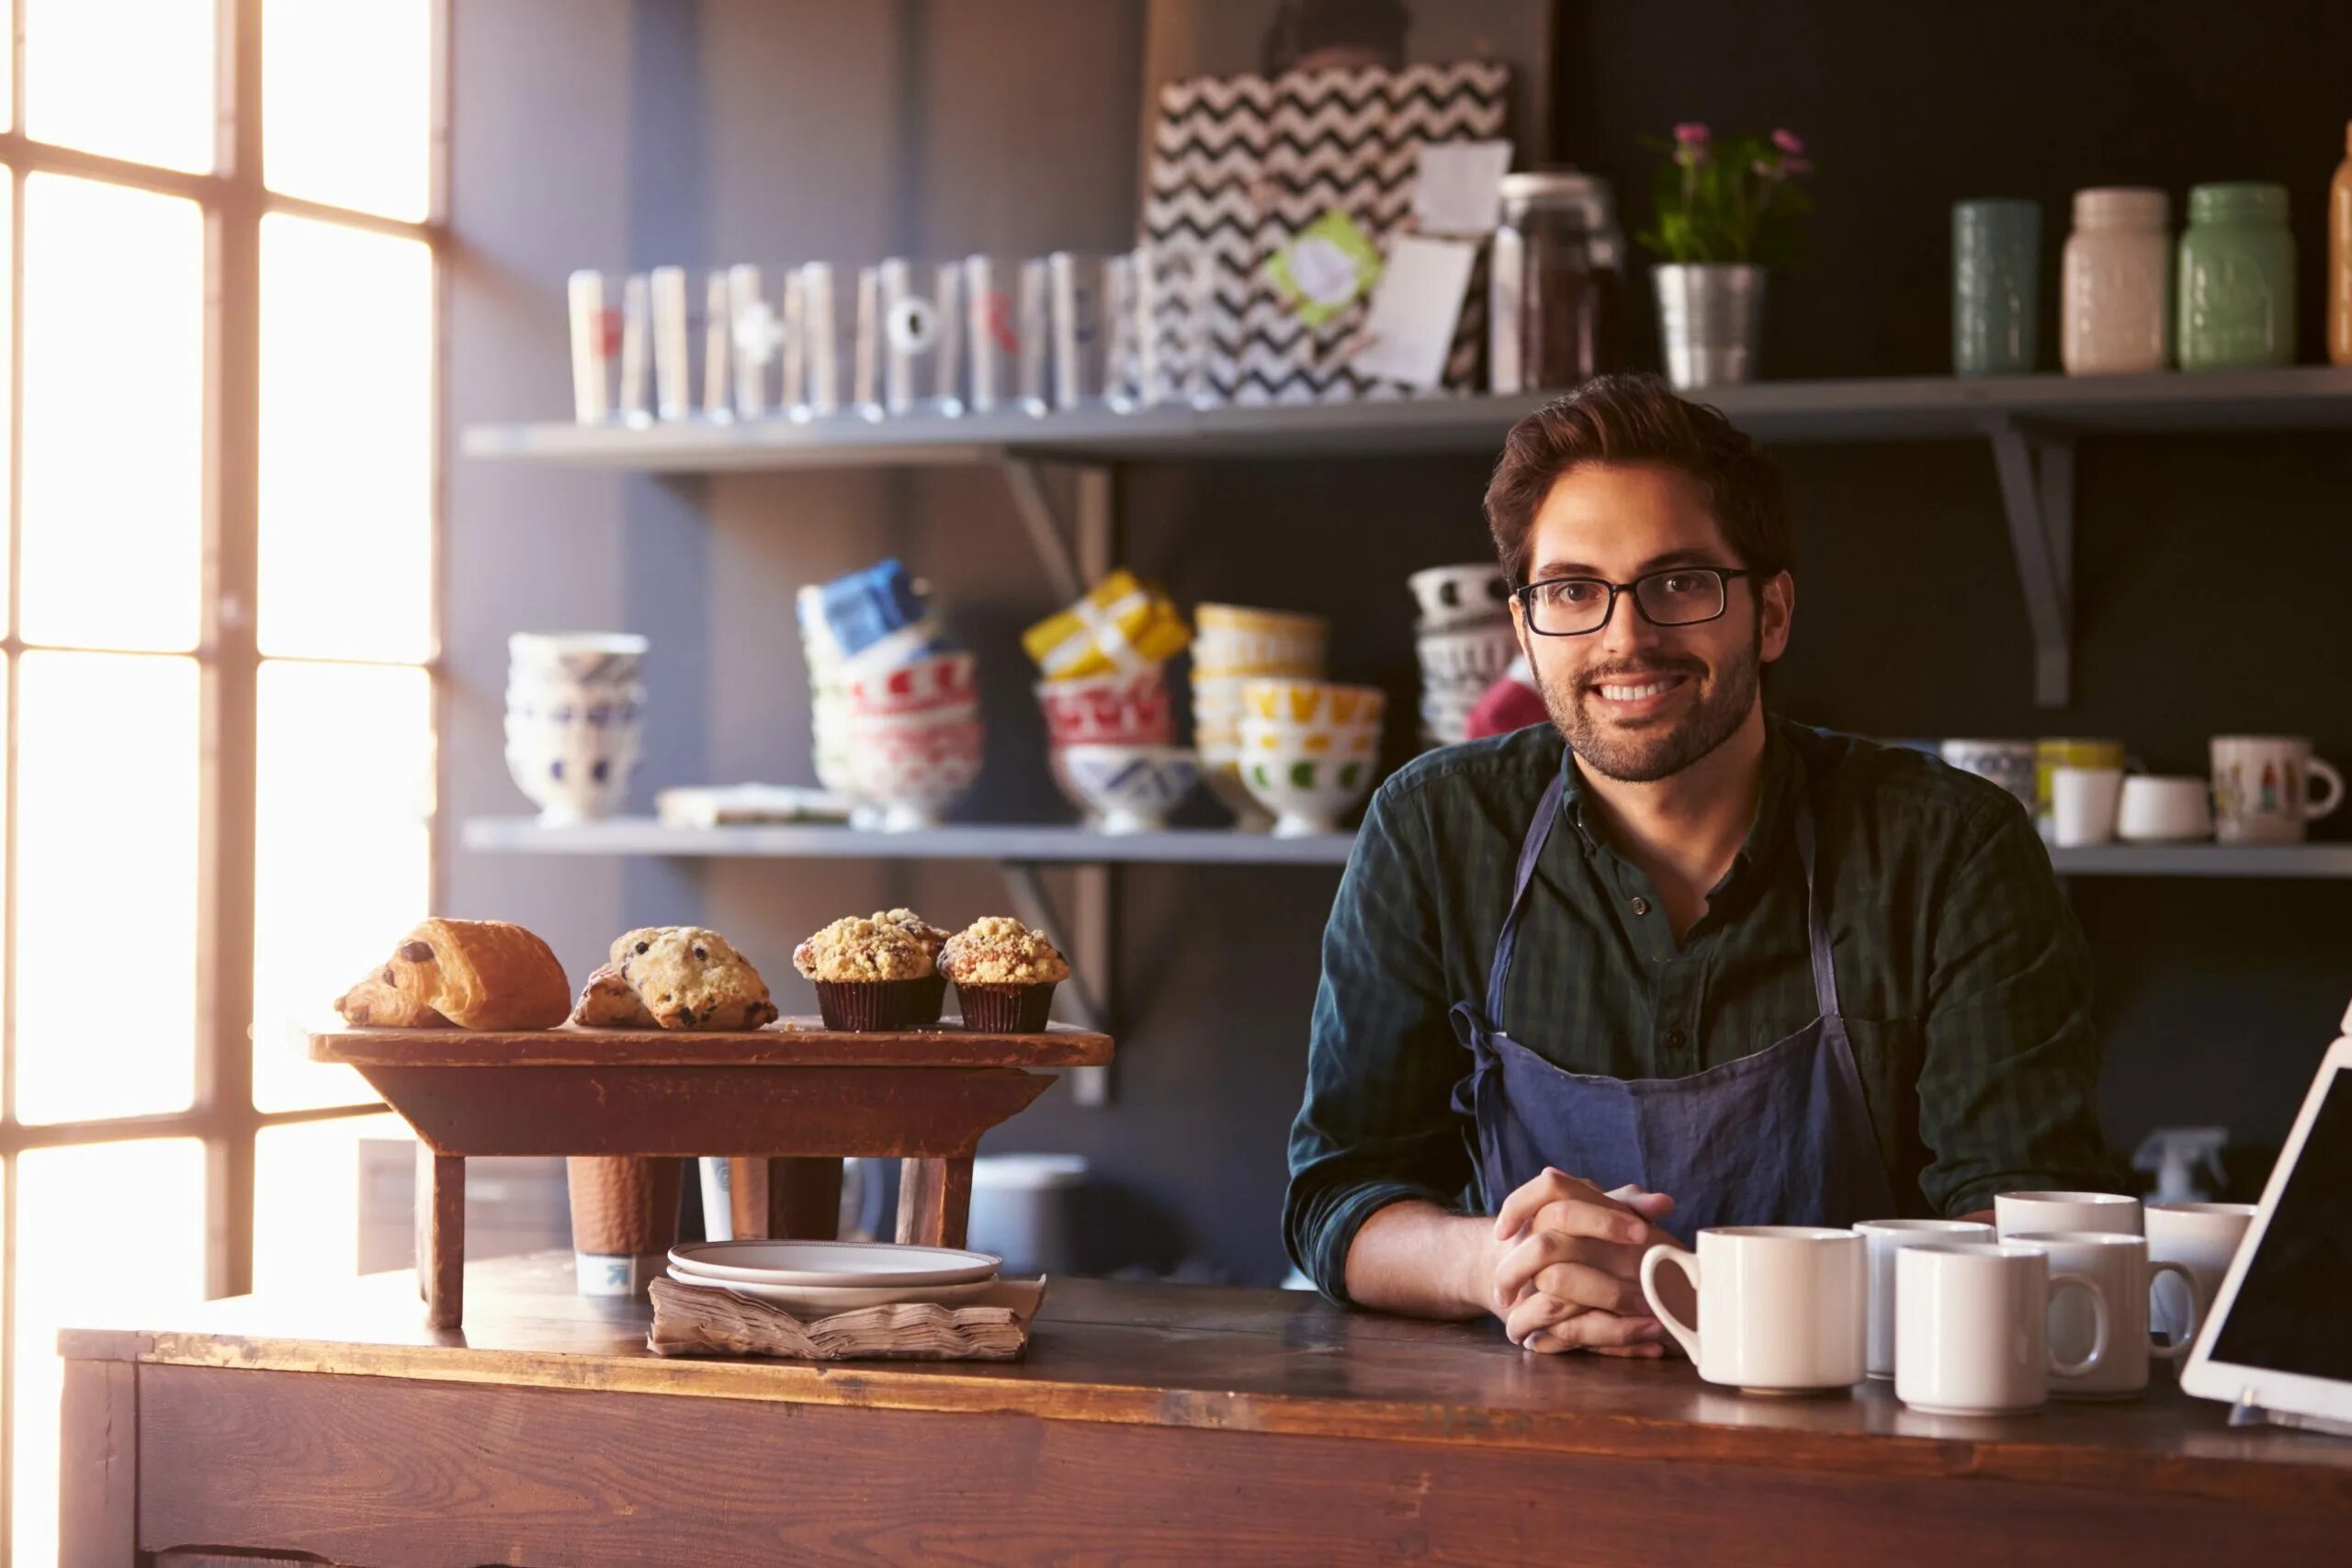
(2236, 278)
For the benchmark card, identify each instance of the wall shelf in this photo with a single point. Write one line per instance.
(1869, 409)
(1052, 844)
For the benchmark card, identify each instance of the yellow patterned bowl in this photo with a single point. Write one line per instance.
(1261, 737)
(1310, 701)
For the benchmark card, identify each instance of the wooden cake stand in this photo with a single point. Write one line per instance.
(790, 1101)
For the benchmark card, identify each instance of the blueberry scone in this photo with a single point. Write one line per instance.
(688, 977)
(609, 1001)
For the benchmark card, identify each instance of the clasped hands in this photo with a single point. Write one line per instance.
(1565, 1261)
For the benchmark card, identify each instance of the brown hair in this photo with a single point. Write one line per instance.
(1634, 419)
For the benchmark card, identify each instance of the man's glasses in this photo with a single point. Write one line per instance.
(1679, 596)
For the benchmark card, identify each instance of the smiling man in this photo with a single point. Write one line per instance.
(1700, 966)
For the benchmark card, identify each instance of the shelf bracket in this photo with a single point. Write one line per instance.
(1088, 991)
(2036, 468)
(1066, 568)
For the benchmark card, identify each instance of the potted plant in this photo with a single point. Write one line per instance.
(1726, 211)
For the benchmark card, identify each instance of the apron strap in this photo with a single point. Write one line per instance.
(1817, 923)
(1530, 849)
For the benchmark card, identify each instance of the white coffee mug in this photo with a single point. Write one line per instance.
(2262, 788)
(1885, 1238)
(2008, 763)
(1785, 1306)
(1973, 1337)
(2119, 1265)
(2156, 810)
(2202, 1239)
(2083, 804)
(2015, 1211)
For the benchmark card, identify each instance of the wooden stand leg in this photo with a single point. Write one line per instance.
(747, 1198)
(444, 1260)
(935, 1201)
(804, 1199)
(97, 1502)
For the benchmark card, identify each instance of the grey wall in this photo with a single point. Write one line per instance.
(597, 132)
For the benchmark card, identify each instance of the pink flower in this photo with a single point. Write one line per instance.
(1796, 165)
(1787, 142)
(1690, 134)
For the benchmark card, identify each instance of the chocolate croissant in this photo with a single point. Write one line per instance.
(487, 975)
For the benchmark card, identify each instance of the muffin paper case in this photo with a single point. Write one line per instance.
(930, 1002)
(1120, 626)
(1006, 1010)
(869, 1007)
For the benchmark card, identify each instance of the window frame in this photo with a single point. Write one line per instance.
(232, 199)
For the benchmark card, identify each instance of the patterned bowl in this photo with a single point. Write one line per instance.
(1307, 702)
(1232, 639)
(596, 657)
(1460, 595)
(1260, 736)
(935, 683)
(1221, 771)
(1108, 710)
(912, 767)
(1472, 658)
(573, 780)
(1132, 788)
(1307, 795)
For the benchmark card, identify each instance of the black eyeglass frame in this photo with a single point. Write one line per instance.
(1723, 575)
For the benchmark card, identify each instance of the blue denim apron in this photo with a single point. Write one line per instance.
(1780, 1137)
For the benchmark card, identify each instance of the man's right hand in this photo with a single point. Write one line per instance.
(1563, 1266)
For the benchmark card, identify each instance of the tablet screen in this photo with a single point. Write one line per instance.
(2293, 1311)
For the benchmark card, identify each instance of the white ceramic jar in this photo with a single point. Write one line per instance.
(2114, 312)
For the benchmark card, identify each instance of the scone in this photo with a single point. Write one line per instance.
(1005, 975)
(691, 978)
(931, 996)
(869, 975)
(485, 974)
(609, 1001)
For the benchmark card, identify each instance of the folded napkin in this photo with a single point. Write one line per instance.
(1121, 626)
(696, 1320)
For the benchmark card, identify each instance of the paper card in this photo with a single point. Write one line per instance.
(1455, 191)
(1324, 267)
(1409, 328)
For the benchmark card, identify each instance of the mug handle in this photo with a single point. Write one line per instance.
(2314, 768)
(2098, 1337)
(1687, 1262)
(2187, 1338)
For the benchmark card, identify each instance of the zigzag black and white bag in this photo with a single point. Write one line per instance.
(1239, 165)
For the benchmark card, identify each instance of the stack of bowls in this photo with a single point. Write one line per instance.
(575, 720)
(1308, 750)
(1466, 641)
(915, 735)
(1233, 645)
(829, 704)
(1109, 740)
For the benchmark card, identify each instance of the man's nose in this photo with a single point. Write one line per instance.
(1628, 631)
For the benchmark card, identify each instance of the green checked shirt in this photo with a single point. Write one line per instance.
(1961, 971)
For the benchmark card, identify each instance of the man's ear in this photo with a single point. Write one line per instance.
(1519, 628)
(1776, 609)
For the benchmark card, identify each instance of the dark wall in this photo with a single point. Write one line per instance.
(2210, 567)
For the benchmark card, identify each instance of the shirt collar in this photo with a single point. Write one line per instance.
(1775, 806)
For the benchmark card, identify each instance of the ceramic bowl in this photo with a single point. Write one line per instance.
(1108, 710)
(573, 783)
(1231, 639)
(1475, 657)
(1307, 701)
(1307, 795)
(1058, 764)
(1260, 736)
(912, 767)
(1132, 788)
(608, 657)
(1460, 595)
(1221, 771)
(564, 706)
(934, 683)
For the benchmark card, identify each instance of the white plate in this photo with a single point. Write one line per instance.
(833, 1264)
(833, 1298)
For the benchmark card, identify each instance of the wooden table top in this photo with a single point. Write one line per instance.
(1254, 1360)
(788, 1043)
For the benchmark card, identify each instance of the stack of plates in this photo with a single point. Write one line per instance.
(835, 1275)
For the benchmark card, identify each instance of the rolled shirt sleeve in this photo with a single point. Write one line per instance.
(1377, 1123)
(2009, 1078)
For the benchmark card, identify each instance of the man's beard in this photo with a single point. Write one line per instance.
(1723, 697)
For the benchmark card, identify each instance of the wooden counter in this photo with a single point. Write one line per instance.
(1148, 1424)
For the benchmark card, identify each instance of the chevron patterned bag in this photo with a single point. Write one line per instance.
(1240, 164)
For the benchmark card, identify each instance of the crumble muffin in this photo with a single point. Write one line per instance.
(868, 974)
(1005, 975)
(933, 995)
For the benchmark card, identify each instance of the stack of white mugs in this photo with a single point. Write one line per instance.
(2068, 1294)
(1465, 642)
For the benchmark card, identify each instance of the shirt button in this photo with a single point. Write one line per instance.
(1675, 1040)
(1640, 906)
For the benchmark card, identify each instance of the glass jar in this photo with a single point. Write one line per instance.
(2114, 314)
(1555, 288)
(2237, 278)
(1996, 287)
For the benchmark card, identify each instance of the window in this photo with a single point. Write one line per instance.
(221, 508)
